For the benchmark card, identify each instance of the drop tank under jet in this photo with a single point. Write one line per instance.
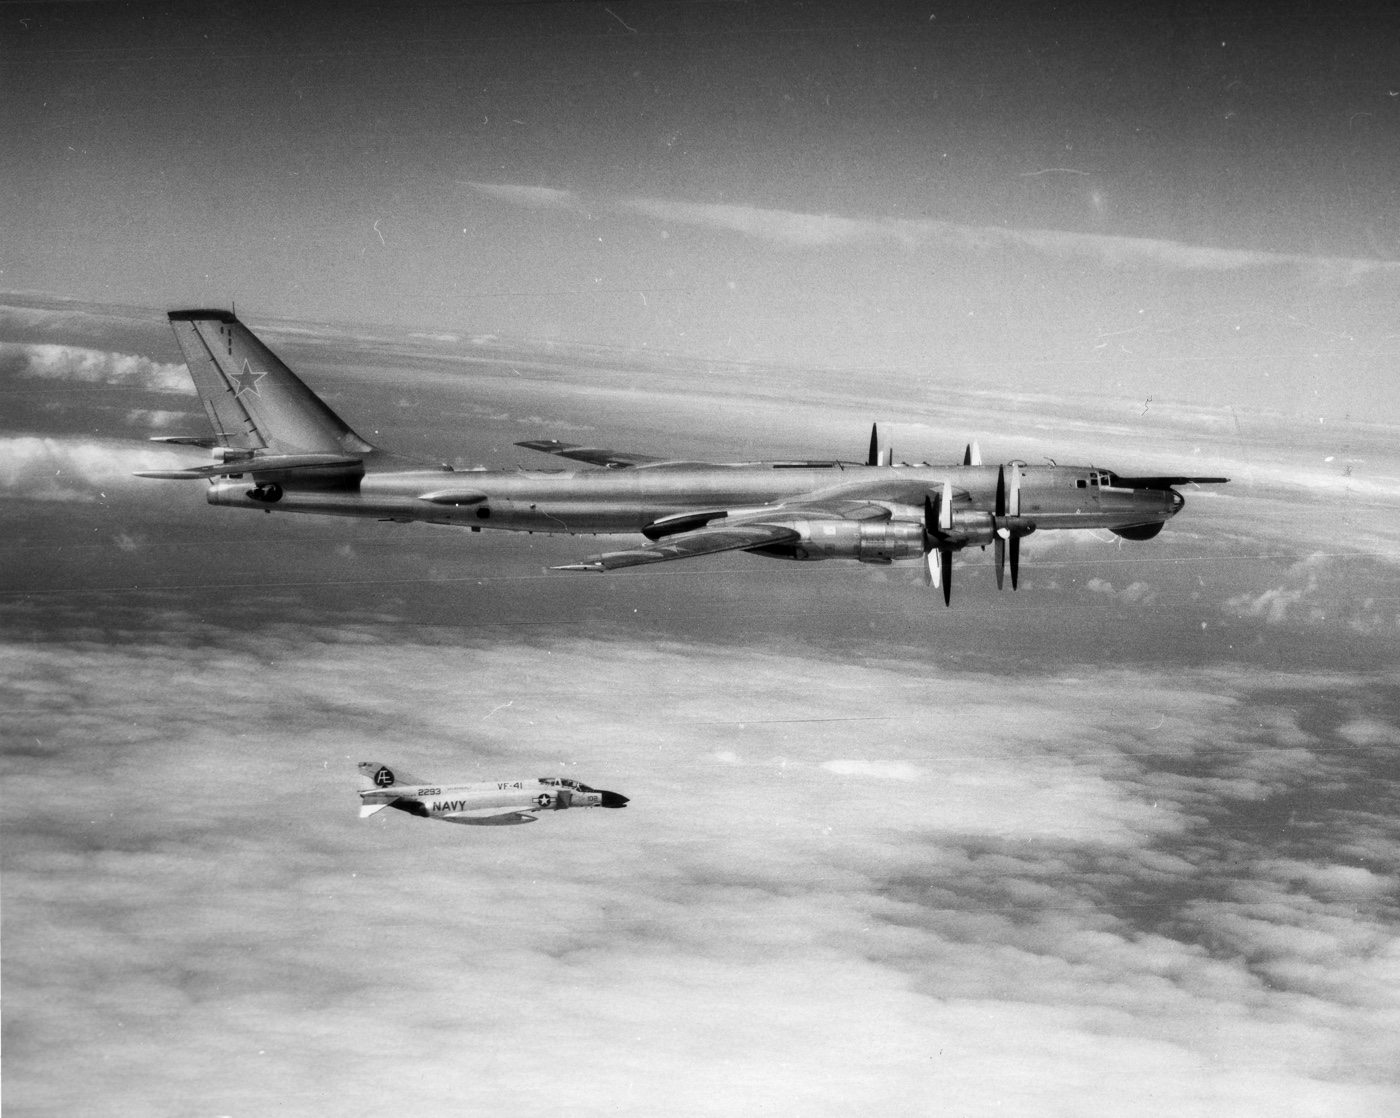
(277, 447)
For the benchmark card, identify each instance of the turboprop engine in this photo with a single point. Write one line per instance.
(870, 541)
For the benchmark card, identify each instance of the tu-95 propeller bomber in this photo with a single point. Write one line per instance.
(277, 446)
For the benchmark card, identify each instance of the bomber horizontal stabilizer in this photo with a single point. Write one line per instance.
(206, 441)
(259, 464)
(596, 456)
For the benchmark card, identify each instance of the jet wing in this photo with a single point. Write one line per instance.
(707, 541)
(613, 459)
(487, 819)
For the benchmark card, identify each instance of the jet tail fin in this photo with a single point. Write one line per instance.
(253, 400)
(374, 775)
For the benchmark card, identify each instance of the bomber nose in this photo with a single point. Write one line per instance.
(613, 799)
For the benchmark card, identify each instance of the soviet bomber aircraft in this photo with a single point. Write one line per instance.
(277, 446)
(488, 803)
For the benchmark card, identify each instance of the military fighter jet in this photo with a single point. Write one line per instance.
(488, 803)
(277, 446)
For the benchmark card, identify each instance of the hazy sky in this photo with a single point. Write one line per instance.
(1123, 842)
(1174, 204)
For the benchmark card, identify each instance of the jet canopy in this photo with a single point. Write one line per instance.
(565, 782)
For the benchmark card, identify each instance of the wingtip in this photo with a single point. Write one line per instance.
(580, 567)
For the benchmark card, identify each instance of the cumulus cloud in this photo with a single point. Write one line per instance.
(1131, 594)
(1315, 590)
(66, 469)
(799, 230)
(94, 366)
(1012, 898)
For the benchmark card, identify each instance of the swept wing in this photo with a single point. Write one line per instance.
(707, 541)
(596, 456)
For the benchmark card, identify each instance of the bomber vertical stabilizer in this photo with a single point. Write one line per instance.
(254, 402)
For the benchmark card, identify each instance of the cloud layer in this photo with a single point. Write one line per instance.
(40, 468)
(803, 230)
(1029, 897)
(93, 366)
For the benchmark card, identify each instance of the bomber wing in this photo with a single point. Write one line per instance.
(596, 456)
(707, 541)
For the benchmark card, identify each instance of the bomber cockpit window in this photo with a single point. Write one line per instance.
(1080, 483)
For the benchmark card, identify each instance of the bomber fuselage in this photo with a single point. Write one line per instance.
(603, 501)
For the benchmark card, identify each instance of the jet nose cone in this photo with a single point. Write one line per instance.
(613, 799)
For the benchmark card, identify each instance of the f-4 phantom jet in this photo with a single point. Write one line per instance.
(278, 447)
(483, 803)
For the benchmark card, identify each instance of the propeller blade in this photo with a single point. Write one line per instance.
(873, 458)
(930, 520)
(930, 569)
(945, 508)
(1015, 560)
(1015, 502)
(967, 455)
(945, 563)
(1001, 492)
(999, 549)
(974, 452)
(887, 456)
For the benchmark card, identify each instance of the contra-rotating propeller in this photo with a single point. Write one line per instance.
(1008, 525)
(938, 522)
(876, 456)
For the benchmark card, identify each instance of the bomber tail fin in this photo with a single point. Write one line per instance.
(253, 401)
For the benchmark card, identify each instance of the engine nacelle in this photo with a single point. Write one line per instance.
(868, 540)
(972, 527)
